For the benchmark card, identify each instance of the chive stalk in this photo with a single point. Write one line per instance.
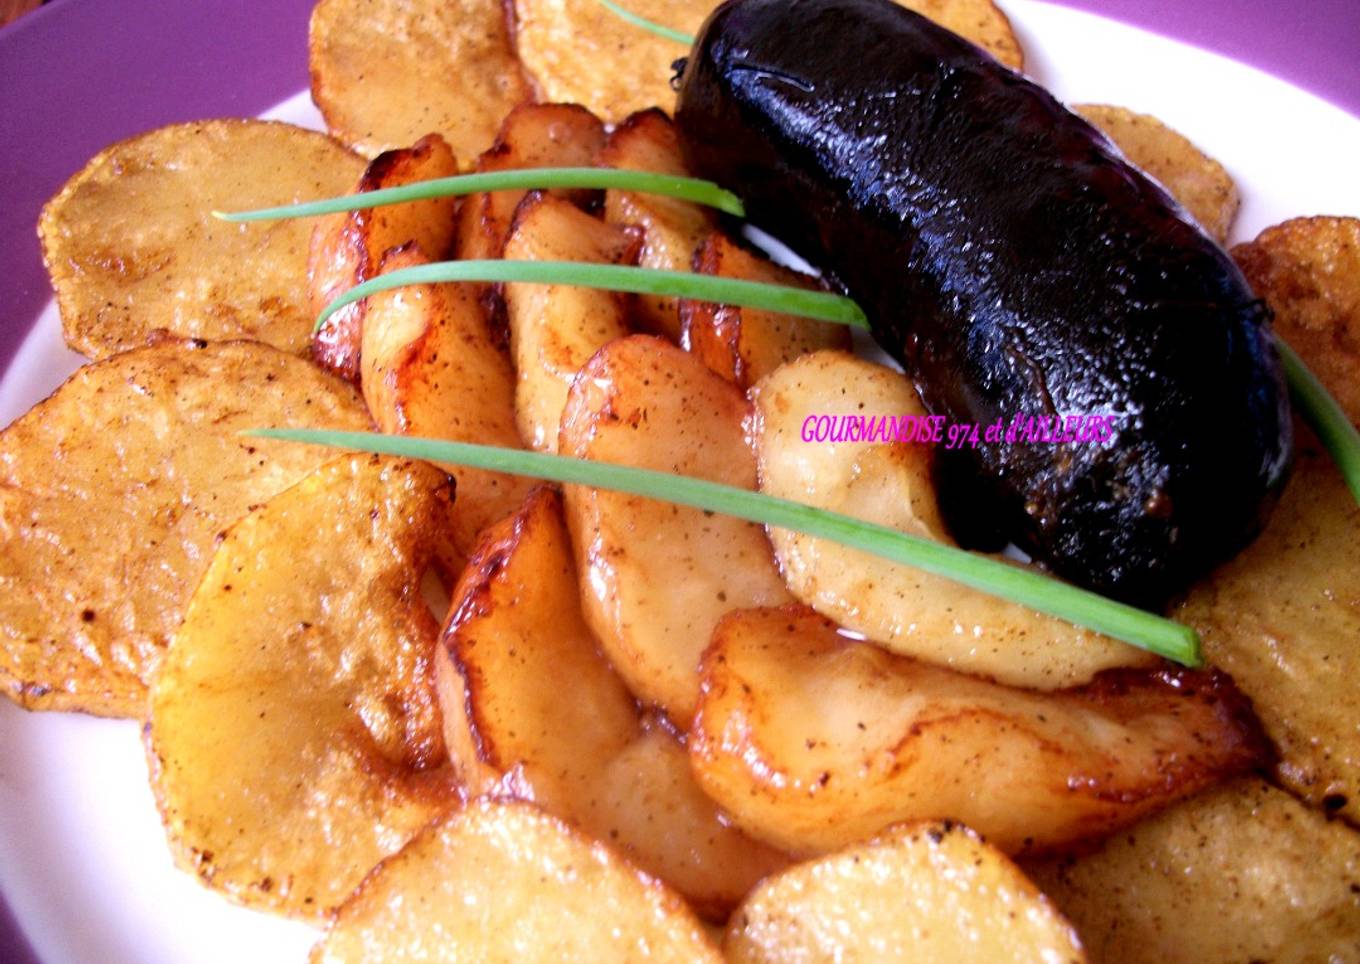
(693, 189)
(1145, 630)
(818, 305)
(1321, 411)
(651, 26)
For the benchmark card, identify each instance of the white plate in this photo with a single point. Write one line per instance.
(83, 861)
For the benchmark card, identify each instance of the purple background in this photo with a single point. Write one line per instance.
(79, 74)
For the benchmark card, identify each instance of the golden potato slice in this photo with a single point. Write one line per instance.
(432, 369)
(1240, 873)
(657, 577)
(917, 892)
(533, 135)
(592, 758)
(387, 72)
(133, 249)
(295, 739)
(578, 51)
(501, 881)
(1308, 271)
(980, 21)
(672, 230)
(811, 740)
(1193, 178)
(909, 611)
(554, 329)
(347, 248)
(744, 345)
(111, 494)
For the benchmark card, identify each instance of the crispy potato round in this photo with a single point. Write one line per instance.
(593, 758)
(917, 892)
(890, 483)
(294, 739)
(812, 740)
(502, 881)
(1308, 270)
(577, 51)
(657, 577)
(386, 72)
(1240, 873)
(132, 247)
(744, 345)
(111, 494)
(1197, 181)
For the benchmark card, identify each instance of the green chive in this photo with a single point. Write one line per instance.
(651, 26)
(1028, 588)
(1325, 416)
(531, 178)
(818, 305)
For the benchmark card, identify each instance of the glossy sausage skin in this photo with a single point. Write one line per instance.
(1014, 264)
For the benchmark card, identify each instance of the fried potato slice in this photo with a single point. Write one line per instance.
(909, 611)
(657, 577)
(532, 135)
(133, 249)
(1240, 873)
(811, 740)
(595, 759)
(111, 494)
(503, 881)
(1308, 271)
(1197, 181)
(927, 891)
(554, 329)
(432, 369)
(576, 50)
(347, 248)
(744, 345)
(385, 73)
(295, 738)
(672, 230)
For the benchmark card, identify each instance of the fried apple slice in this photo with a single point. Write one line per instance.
(812, 740)
(533, 135)
(1308, 271)
(554, 329)
(1193, 178)
(744, 345)
(111, 494)
(1239, 873)
(672, 230)
(657, 577)
(502, 881)
(909, 611)
(595, 759)
(432, 369)
(295, 739)
(347, 248)
(576, 50)
(133, 249)
(928, 891)
(385, 73)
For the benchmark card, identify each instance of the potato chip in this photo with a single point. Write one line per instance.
(112, 492)
(295, 738)
(386, 73)
(578, 51)
(502, 881)
(1197, 181)
(1308, 271)
(917, 892)
(1239, 873)
(133, 249)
